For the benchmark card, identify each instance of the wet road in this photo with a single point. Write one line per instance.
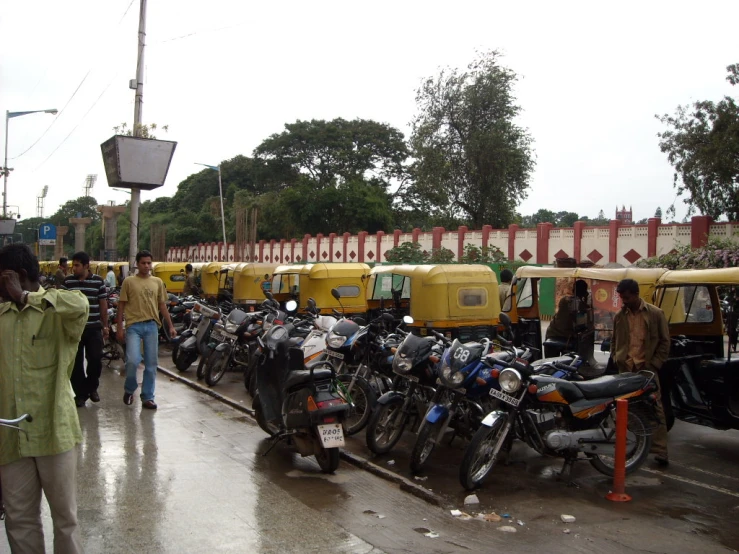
(694, 502)
(190, 478)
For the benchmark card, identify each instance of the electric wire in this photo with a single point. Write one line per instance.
(58, 115)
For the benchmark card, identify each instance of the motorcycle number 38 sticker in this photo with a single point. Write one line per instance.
(332, 435)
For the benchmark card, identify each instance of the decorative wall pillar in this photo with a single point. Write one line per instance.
(304, 258)
(512, 230)
(416, 234)
(613, 227)
(396, 237)
(362, 237)
(378, 248)
(577, 247)
(542, 242)
(346, 237)
(436, 235)
(331, 239)
(486, 230)
(653, 224)
(700, 227)
(80, 228)
(461, 232)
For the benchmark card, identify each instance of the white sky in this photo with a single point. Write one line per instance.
(592, 79)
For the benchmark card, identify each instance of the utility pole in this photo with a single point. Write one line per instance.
(137, 109)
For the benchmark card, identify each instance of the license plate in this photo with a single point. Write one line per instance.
(332, 435)
(504, 397)
(337, 355)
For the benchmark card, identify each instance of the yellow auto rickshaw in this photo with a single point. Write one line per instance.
(604, 302)
(459, 300)
(286, 281)
(700, 380)
(251, 280)
(349, 279)
(173, 275)
(215, 278)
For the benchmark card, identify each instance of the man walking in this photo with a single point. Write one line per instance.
(143, 297)
(641, 340)
(91, 345)
(191, 285)
(40, 330)
(61, 273)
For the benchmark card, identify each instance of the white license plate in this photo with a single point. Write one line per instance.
(495, 393)
(332, 435)
(337, 355)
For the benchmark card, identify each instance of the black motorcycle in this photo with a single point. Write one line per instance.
(415, 365)
(193, 341)
(304, 406)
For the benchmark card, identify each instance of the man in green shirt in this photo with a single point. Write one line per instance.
(40, 331)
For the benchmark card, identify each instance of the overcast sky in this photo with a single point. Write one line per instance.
(225, 74)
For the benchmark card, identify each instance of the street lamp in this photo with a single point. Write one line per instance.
(220, 193)
(5, 168)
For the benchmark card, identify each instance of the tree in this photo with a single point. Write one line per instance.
(473, 161)
(658, 212)
(702, 144)
(407, 253)
(485, 255)
(334, 152)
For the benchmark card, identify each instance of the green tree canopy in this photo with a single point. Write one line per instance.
(702, 144)
(472, 160)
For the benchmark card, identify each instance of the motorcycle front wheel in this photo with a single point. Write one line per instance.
(638, 443)
(362, 401)
(266, 426)
(216, 367)
(328, 459)
(185, 360)
(385, 427)
(200, 372)
(482, 453)
(425, 444)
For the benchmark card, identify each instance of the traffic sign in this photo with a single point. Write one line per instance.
(47, 234)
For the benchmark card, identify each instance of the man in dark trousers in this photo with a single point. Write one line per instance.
(96, 331)
(641, 340)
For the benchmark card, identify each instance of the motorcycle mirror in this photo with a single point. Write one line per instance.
(408, 320)
(291, 306)
(336, 294)
(311, 303)
(505, 319)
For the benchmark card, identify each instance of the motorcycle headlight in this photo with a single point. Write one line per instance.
(335, 341)
(402, 365)
(510, 380)
(231, 328)
(452, 380)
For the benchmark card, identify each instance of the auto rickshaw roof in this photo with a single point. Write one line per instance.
(441, 273)
(216, 267)
(328, 270)
(251, 268)
(301, 269)
(171, 266)
(720, 276)
(640, 275)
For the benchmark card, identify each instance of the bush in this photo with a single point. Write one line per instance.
(717, 253)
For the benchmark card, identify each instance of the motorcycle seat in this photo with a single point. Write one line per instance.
(557, 360)
(611, 385)
(719, 364)
(558, 344)
(302, 376)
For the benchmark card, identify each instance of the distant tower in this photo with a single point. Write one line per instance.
(624, 216)
(89, 183)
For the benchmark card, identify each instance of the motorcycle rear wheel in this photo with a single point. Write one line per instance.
(635, 456)
(185, 360)
(385, 427)
(216, 367)
(363, 399)
(481, 454)
(425, 444)
(328, 459)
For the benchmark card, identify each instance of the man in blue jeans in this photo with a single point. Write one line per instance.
(143, 297)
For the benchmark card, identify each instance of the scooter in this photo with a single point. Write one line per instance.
(304, 407)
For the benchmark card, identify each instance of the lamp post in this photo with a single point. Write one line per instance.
(220, 193)
(6, 169)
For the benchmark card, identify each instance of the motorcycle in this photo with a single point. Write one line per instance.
(463, 396)
(562, 418)
(193, 341)
(415, 366)
(235, 338)
(303, 406)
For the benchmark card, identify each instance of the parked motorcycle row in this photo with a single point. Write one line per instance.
(316, 378)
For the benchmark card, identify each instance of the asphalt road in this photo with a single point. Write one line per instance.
(690, 506)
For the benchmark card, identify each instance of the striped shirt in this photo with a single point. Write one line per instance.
(93, 287)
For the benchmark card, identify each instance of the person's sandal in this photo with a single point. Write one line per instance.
(150, 405)
(127, 398)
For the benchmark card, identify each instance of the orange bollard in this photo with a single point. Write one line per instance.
(618, 494)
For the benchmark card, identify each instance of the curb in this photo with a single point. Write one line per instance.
(403, 483)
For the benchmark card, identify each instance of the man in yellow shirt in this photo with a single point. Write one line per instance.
(40, 331)
(143, 297)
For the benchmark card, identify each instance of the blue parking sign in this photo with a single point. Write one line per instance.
(47, 234)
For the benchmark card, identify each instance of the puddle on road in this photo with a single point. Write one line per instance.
(335, 478)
